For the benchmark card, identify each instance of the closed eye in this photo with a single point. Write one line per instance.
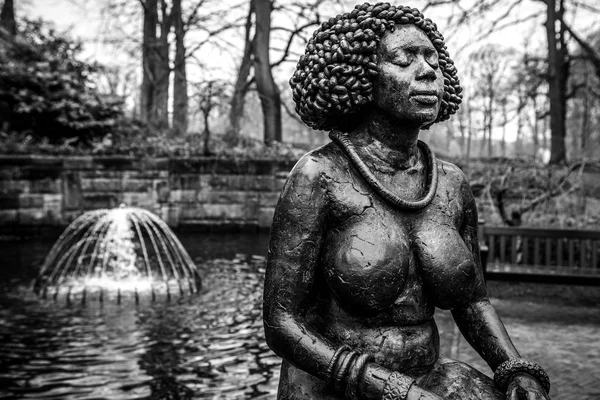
(432, 59)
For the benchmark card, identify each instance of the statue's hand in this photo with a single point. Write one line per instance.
(525, 387)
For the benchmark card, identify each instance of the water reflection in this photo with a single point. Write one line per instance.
(211, 346)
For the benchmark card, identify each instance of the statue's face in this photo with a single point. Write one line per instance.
(410, 83)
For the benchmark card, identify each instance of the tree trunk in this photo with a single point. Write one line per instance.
(206, 134)
(148, 60)
(470, 134)
(585, 118)
(163, 71)
(7, 18)
(504, 122)
(536, 140)
(236, 110)
(180, 96)
(491, 114)
(557, 78)
(267, 90)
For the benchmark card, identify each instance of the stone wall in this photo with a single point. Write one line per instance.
(51, 191)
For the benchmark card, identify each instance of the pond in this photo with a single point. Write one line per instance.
(209, 346)
(212, 346)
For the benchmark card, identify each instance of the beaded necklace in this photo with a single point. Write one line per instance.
(430, 183)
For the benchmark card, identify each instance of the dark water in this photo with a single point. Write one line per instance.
(209, 346)
(212, 346)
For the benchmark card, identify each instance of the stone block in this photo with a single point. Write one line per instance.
(100, 200)
(161, 190)
(136, 185)
(71, 190)
(223, 211)
(52, 207)
(222, 196)
(252, 206)
(101, 174)
(27, 200)
(192, 211)
(14, 186)
(185, 181)
(46, 185)
(32, 216)
(138, 199)
(228, 182)
(170, 214)
(8, 217)
(102, 185)
(154, 164)
(260, 183)
(269, 199)
(78, 163)
(265, 216)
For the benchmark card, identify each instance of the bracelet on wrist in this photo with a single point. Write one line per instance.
(356, 370)
(508, 368)
(333, 362)
(341, 370)
(396, 387)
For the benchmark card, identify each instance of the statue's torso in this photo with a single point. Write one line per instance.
(385, 270)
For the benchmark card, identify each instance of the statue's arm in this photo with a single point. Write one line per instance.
(295, 242)
(478, 320)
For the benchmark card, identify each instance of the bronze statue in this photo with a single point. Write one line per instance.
(372, 233)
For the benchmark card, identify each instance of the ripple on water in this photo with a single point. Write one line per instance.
(203, 347)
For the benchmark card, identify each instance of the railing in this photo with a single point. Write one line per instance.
(544, 255)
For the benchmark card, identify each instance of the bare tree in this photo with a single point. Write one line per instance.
(211, 95)
(490, 65)
(242, 83)
(180, 95)
(7, 18)
(265, 84)
(148, 59)
(298, 17)
(558, 73)
(163, 69)
(504, 14)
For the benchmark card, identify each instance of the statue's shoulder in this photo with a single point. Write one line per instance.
(325, 160)
(450, 171)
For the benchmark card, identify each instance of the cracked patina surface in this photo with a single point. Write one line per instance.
(348, 267)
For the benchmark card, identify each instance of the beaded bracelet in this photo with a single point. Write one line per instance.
(356, 370)
(515, 365)
(396, 388)
(341, 370)
(334, 360)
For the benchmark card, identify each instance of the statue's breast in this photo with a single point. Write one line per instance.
(366, 264)
(444, 262)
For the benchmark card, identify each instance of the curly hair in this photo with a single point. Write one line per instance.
(333, 80)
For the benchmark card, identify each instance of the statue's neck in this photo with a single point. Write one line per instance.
(386, 142)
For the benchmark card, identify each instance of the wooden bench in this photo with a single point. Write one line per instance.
(541, 255)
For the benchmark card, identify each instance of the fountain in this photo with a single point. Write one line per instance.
(114, 254)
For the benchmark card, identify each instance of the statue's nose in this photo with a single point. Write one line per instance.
(424, 70)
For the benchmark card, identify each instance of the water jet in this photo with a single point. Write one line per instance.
(115, 254)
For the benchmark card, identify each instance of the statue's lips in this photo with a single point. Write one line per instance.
(425, 97)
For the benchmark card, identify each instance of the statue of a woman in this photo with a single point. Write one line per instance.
(372, 233)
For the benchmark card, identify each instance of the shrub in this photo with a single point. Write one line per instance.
(45, 91)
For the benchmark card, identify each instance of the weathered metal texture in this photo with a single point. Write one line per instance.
(360, 255)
